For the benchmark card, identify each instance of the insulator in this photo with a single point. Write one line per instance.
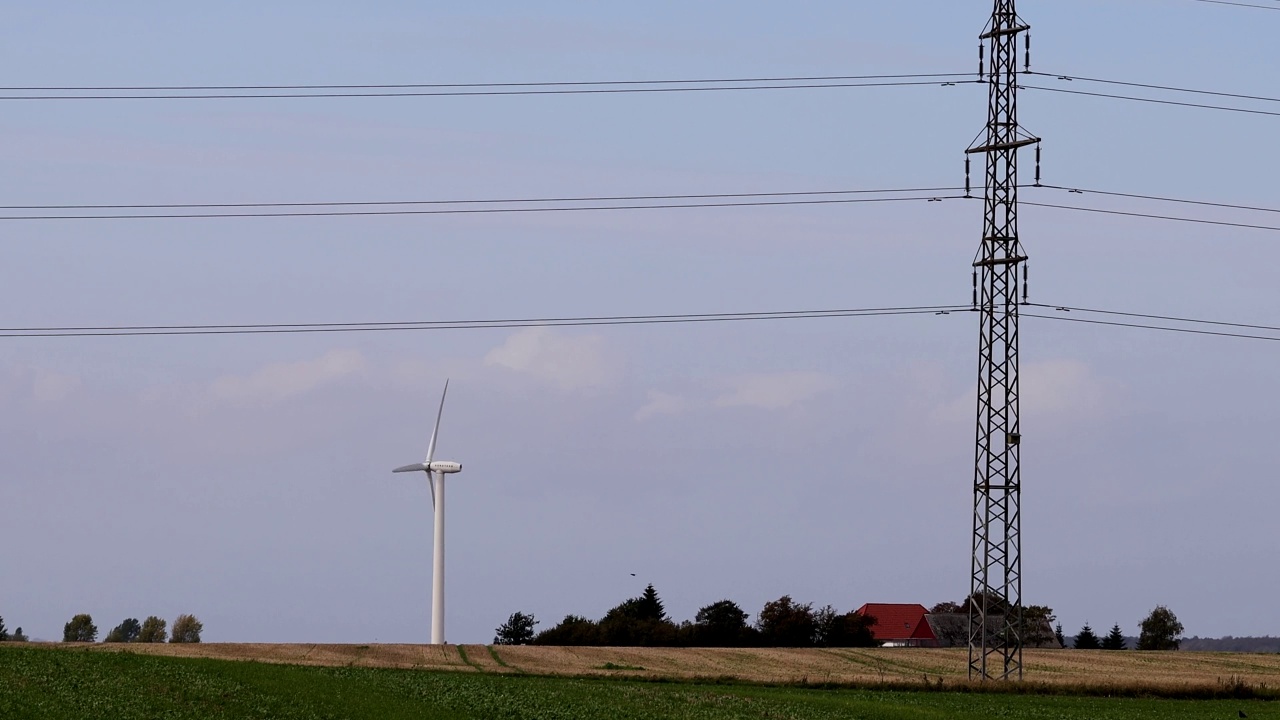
(1026, 286)
(975, 287)
(966, 176)
(981, 64)
(1037, 164)
(1028, 57)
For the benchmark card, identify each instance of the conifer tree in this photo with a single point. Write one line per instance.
(1114, 639)
(1086, 639)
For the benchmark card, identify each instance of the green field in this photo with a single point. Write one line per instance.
(40, 683)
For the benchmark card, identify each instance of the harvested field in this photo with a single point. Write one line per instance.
(1091, 668)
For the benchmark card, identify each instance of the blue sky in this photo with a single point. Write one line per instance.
(246, 479)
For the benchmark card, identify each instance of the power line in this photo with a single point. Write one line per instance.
(427, 86)
(1147, 316)
(294, 328)
(1159, 198)
(1149, 86)
(1151, 100)
(1238, 4)
(481, 211)
(490, 93)
(1189, 331)
(1154, 217)
(597, 198)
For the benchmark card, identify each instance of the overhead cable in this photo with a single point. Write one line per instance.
(1158, 198)
(437, 86)
(1148, 316)
(1163, 328)
(1175, 218)
(487, 201)
(1238, 4)
(294, 328)
(479, 211)
(939, 81)
(1152, 100)
(1149, 86)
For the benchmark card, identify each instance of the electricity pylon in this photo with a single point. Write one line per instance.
(995, 598)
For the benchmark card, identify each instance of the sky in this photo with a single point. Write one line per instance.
(246, 479)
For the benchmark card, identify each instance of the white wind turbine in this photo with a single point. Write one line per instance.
(436, 470)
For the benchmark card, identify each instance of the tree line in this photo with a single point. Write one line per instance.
(15, 636)
(186, 629)
(643, 621)
(1160, 630)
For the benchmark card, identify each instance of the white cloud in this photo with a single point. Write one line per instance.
(39, 384)
(283, 380)
(567, 362)
(50, 386)
(773, 391)
(1054, 388)
(1064, 387)
(661, 403)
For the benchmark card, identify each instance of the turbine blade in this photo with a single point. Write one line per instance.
(431, 483)
(416, 467)
(431, 449)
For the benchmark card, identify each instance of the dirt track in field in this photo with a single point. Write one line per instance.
(1097, 668)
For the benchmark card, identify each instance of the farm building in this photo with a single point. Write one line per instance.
(900, 625)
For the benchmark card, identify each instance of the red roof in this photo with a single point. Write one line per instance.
(898, 622)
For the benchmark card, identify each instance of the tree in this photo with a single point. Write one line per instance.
(945, 608)
(19, 636)
(186, 629)
(650, 606)
(517, 630)
(4, 633)
(1114, 639)
(125, 632)
(786, 623)
(1086, 639)
(1160, 631)
(639, 621)
(832, 629)
(1057, 634)
(152, 631)
(572, 630)
(80, 629)
(1037, 625)
(720, 624)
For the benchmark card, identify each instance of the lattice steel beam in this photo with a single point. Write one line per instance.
(995, 599)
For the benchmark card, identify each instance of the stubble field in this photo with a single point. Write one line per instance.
(1094, 670)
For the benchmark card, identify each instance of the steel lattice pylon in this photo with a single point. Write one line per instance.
(995, 599)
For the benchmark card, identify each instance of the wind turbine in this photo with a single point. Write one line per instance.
(436, 470)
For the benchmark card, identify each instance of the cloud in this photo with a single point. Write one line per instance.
(283, 380)
(39, 384)
(773, 391)
(1058, 388)
(569, 363)
(661, 403)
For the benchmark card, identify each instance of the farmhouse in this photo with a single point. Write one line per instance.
(900, 625)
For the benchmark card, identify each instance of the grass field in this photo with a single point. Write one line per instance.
(49, 683)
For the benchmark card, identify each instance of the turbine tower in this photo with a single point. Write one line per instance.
(436, 470)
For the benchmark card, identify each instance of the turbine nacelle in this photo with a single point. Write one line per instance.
(445, 466)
